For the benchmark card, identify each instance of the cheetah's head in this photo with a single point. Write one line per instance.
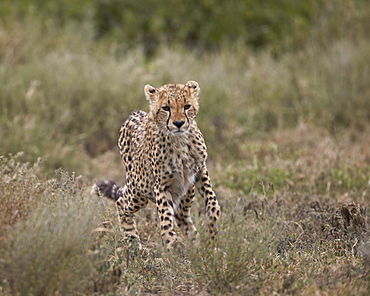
(174, 106)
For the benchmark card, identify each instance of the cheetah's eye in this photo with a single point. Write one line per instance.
(166, 108)
(187, 106)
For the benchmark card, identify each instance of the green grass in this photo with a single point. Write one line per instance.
(288, 141)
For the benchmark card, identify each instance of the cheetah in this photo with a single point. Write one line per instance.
(164, 154)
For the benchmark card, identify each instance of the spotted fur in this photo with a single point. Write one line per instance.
(165, 154)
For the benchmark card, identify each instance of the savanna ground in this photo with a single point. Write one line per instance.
(288, 139)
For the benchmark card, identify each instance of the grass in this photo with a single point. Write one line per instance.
(288, 141)
(306, 234)
(69, 92)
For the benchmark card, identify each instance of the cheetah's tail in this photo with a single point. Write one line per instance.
(107, 188)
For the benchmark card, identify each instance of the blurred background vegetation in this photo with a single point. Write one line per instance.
(72, 71)
(205, 24)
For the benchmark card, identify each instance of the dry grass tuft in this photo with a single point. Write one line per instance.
(46, 231)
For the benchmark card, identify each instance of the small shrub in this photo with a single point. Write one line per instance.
(47, 250)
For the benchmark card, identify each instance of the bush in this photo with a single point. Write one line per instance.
(46, 232)
(203, 24)
(207, 25)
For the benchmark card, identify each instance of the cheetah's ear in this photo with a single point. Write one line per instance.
(194, 88)
(149, 92)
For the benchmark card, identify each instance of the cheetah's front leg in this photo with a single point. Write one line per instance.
(166, 215)
(183, 215)
(213, 210)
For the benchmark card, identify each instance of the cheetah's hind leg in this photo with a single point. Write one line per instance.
(125, 208)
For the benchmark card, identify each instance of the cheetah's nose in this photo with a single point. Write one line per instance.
(178, 124)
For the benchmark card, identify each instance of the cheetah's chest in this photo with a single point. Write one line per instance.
(180, 183)
(182, 168)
